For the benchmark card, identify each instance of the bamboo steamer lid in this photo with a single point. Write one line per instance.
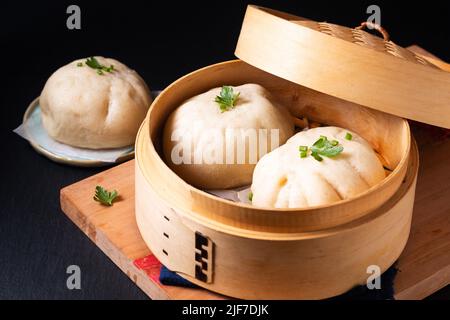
(346, 63)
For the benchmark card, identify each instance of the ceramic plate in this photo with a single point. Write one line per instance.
(32, 130)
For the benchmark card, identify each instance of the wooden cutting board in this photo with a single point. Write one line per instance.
(424, 266)
(115, 232)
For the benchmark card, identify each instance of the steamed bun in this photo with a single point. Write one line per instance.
(208, 139)
(282, 179)
(85, 109)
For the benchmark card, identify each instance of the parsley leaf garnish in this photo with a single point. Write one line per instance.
(94, 64)
(227, 98)
(326, 148)
(104, 196)
(322, 147)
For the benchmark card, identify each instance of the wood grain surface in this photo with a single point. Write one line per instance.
(349, 69)
(424, 265)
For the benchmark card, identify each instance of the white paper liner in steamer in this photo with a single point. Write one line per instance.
(240, 194)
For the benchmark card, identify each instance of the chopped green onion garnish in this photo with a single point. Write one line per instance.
(303, 151)
(316, 156)
(348, 136)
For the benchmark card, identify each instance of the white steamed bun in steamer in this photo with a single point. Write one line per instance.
(284, 179)
(94, 103)
(201, 138)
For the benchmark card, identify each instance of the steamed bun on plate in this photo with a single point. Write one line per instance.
(284, 179)
(213, 147)
(92, 108)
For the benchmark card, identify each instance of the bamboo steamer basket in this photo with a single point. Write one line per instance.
(248, 252)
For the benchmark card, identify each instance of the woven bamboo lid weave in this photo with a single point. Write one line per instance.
(347, 63)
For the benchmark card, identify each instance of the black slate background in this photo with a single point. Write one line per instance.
(162, 41)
